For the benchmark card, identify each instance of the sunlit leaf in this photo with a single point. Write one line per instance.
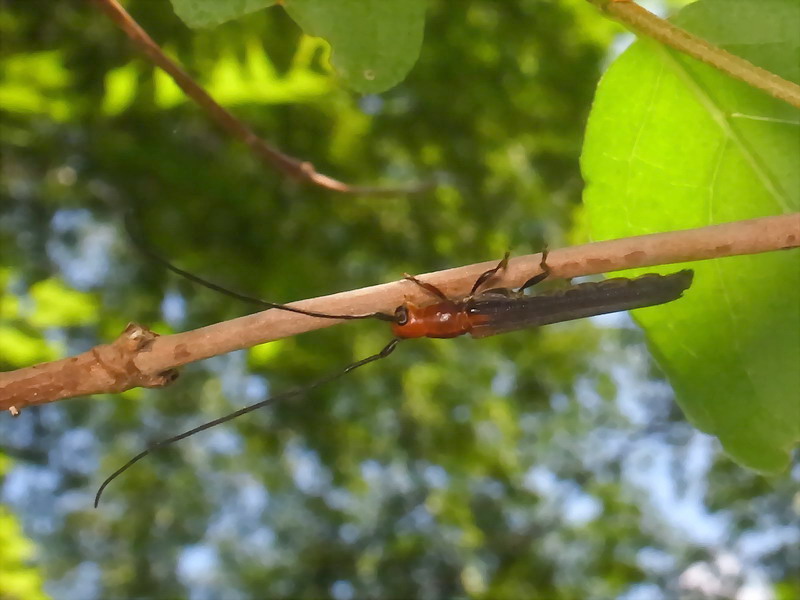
(120, 88)
(60, 306)
(21, 349)
(19, 579)
(33, 83)
(257, 79)
(263, 354)
(673, 144)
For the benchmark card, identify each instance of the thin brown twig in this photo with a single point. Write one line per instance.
(644, 22)
(140, 358)
(269, 154)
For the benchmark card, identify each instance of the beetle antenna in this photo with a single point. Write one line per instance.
(134, 232)
(386, 351)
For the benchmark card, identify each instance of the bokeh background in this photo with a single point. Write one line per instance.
(540, 464)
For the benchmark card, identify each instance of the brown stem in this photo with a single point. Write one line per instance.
(644, 22)
(139, 358)
(269, 154)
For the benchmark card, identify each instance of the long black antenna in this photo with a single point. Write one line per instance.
(134, 232)
(387, 350)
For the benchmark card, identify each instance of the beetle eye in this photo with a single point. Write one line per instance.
(401, 315)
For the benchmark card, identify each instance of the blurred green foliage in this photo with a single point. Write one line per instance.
(542, 464)
(18, 579)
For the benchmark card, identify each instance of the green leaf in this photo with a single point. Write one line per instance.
(21, 349)
(19, 579)
(35, 83)
(673, 144)
(375, 42)
(120, 89)
(207, 13)
(60, 306)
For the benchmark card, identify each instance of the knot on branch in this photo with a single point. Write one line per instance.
(118, 361)
(106, 369)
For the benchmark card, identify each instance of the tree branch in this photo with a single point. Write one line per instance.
(641, 21)
(141, 358)
(270, 155)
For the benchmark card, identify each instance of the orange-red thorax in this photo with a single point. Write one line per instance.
(441, 320)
